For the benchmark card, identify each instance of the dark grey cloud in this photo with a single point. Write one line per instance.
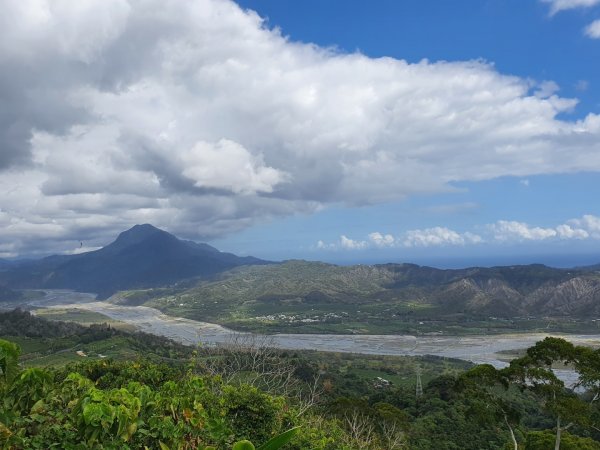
(29, 105)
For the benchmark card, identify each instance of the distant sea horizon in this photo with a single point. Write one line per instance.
(453, 262)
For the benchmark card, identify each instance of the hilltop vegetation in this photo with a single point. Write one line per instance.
(51, 343)
(300, 296)
(245, 390)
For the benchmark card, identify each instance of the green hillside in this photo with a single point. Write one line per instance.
(55, 343)
(300, 296)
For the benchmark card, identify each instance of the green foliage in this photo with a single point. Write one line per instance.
(544, 440)
(9, 359)
(106, 373)
(139, 404)
(279, 441)
(52, 343)
(60, 335)
(253, 412)
(243, 445)
(48, 409)
(534, 373)
(105, 415)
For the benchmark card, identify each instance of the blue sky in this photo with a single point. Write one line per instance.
(440, 132)
(520, 38)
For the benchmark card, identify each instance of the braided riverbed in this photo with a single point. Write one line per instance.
(477, 349)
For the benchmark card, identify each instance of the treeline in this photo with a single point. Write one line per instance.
(19, 323)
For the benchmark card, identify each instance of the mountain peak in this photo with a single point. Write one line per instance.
(142, 256)
(137, 233)
(144, 228)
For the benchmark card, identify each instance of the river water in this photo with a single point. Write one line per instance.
(477, 349)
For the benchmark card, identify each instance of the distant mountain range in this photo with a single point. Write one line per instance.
(210, 283)
(504, 291)
(381, 293)
(143, 256)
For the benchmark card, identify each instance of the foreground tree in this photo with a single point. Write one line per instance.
(484, 383)
(534, 372)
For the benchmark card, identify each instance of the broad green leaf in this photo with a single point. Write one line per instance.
(38, 407)
(243, 445)
(95, 414)
(280, 440)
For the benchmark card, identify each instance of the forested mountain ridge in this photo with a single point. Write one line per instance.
(143, 256)
(313, 291)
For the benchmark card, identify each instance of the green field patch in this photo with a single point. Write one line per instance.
(415, 306)
(81, 316)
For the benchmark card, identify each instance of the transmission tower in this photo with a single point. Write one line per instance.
(419, 390)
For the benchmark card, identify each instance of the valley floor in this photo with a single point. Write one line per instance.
(491, 349)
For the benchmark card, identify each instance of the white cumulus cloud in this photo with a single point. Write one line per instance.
(513, 231)
(588, 223)
(350, 244)
(227, 165)
(199, 118)
(382, 240)
(568, 232)
(437, 236)
(593, 29)
(429, 237)
(500, 232)
(510, 230)
(563, 5)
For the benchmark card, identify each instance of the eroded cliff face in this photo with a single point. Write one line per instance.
(579, 295)
(518, 290)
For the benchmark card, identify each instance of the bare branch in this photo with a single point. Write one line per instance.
(361, 432)
(392, 435)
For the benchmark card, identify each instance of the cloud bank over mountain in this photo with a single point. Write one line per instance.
(199, 118)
